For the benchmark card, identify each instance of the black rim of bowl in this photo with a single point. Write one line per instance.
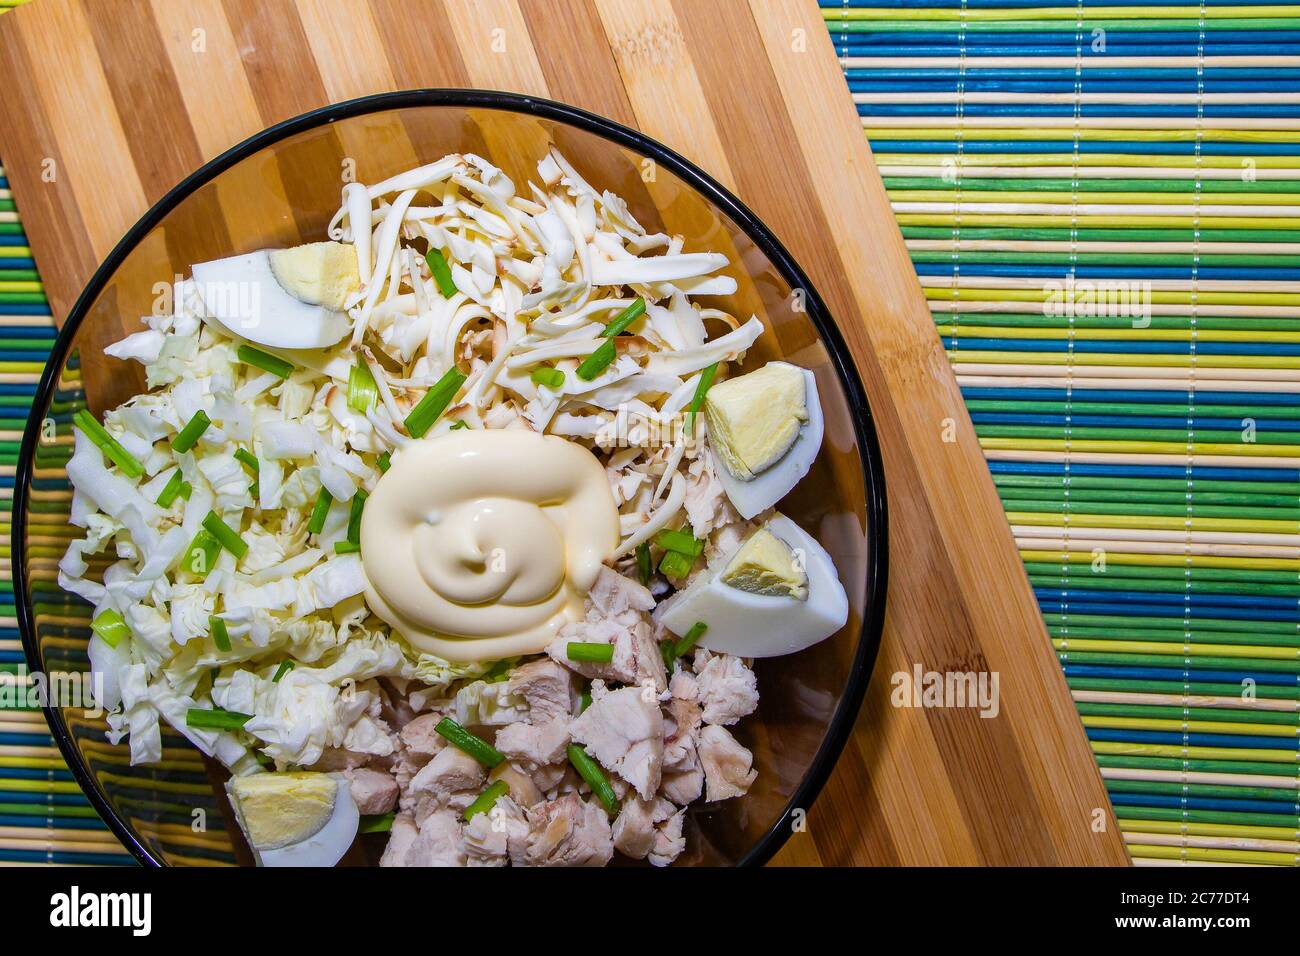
(845, 714)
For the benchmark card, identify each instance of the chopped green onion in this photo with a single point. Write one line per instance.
(462, 739)
(171, 490)
(458, 425)
(255, 490)
(486, 800)
(681, 542)
(434, 403)
(675, 564)
(265, 361)
(595, 653)
(590, 771)
(500, 670)
(110, 626)
(248, 460)
(284, 668)
(354, 517)
(668, 652)
(203, 553)
(694, 634)
(188, 436)
(376, 823)
(441, 273)
(230, 540)
(106, 443)
(643, 566)
(186, 490)
(625, 318)
(385, 461)
(597, 361)
(220, 634)
(550, 377)
(584, 701)
(215, 719)
(346, 547)
(701, 389)
(363, 392)
(320, 511)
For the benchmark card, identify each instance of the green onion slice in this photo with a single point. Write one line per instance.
(384, 461)
(458, 425)
(346, 547)
(230, 539)
(701, 389)
(688, 641)
(215, 719)
(106, 443)
(590, 771)
(202, 554)
(363, 392)
(643, 565)
(625, 318)
(584, 701)
(486, 800)
(284, 668)
(248, 460)
(265, 361)
(680, 541)
(434, 403)
(597, 361)
(188, 436)
(171, 490)
(110, 626)
(354, 517)
(675, 564)
(441, 273)
(462, 739)
(550, 377)
(220, 634)
(595, 653)
(320, 511)
(376, 823)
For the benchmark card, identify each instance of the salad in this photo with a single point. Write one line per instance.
(460, 524)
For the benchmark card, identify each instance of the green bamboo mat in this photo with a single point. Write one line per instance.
(1101, 202)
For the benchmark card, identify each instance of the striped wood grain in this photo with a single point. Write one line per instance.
(122, 99)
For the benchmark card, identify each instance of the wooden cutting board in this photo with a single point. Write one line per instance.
(111, 102)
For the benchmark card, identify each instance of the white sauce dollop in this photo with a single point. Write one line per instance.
(481, 544)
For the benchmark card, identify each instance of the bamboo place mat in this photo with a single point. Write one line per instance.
(1021, 147)
(1149, 472)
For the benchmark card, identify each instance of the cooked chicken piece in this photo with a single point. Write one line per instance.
(637, 658)
(728, 690)
(548, 688)
(420, 737)
(634, 830)
(400, 838)
(683, 709)
(451, 771)
(490, 837)
(372, 791)
(669, 841)
(335, 759)
(683, 777)
(624, 731)
(568, 832)
(612, 594)
(534, 745)
(523, 790)
(555, 779)
(439, 841)
(727, 765)
(706, 501)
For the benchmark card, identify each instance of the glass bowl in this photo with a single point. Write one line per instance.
(280, 188)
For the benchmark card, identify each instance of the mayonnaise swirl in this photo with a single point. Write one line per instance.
(479, 545)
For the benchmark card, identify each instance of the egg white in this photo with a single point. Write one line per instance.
(762, 625)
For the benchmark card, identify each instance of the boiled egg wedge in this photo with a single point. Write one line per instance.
(775, 594)
(765, 429)
(282, 298)
(295, 819)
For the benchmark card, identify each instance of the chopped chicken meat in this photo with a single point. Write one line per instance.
(547, 686)
(419, 736)
(634, 830)
(568, 832)
(438, 842)
(624, 731)
(534, 745)
(728, 690)
(669, 840)
(400, 838)
(494, 837)
(727, 765)
(451, 771)
(372, 790)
